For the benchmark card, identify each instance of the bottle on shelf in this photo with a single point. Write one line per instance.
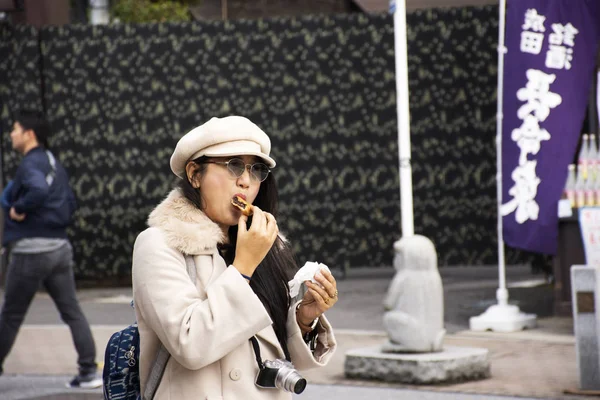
(569, 190)
(579, 189)
(582, 158)
(592, 156)
(596, 185)
(590, 186)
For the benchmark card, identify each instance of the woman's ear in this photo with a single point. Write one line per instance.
(191, 170)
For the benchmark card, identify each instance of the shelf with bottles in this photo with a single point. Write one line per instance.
(582, 187)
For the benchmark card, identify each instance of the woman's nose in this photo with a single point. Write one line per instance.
(244, 179)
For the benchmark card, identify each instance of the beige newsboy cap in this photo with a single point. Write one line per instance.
(221, 137)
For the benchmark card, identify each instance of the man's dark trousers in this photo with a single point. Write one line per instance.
(54, 270)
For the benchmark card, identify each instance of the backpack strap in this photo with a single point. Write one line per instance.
(191, 267)
(162, 357)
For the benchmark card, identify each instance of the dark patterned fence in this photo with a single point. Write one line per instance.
(20, 82)
(322, 87)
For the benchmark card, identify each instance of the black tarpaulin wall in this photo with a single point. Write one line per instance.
(322, 87)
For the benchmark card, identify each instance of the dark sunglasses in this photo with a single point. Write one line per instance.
(236, 167)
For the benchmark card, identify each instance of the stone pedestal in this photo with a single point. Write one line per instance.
(585, 314)
(451, 365)
(414, 321)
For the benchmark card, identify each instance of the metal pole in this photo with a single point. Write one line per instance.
(501, 293)
(99, 14)
(402, 109)
(224, 10)
(501, 317)
(593, 114)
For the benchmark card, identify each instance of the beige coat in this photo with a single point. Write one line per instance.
(206, 327)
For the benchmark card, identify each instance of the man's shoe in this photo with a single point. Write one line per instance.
(88, 381)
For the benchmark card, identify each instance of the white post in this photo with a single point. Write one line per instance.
(598, 101)
(501, 293)
(402, 109)
(501, 317)
(99, 14)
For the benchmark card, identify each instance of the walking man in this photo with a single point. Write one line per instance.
(38, 204)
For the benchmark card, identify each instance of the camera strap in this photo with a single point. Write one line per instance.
(256, 347)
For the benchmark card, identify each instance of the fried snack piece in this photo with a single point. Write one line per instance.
(243, 205)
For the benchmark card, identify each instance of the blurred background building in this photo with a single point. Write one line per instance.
(59, 12)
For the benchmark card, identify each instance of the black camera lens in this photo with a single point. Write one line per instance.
(300, 386)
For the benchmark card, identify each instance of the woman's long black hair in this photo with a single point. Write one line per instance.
(270, 280)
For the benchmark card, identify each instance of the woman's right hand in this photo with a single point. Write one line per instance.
(253, 244)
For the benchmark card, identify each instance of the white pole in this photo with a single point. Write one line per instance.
(402, 109)
(99, 14)
(501, 293)
(501, 317)
(598, 101)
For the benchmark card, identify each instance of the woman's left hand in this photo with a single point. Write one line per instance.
(319, 298)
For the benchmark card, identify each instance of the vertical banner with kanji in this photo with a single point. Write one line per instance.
(548, 69)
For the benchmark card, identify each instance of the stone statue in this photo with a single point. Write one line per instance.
(414, 303)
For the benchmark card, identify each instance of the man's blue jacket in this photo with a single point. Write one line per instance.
(48, 206)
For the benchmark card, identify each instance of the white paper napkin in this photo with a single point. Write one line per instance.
(306, 273)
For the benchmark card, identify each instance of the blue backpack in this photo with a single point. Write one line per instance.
(121, 373)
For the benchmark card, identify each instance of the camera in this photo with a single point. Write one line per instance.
(280, 374)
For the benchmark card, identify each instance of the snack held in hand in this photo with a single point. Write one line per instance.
(242, 205)
(306, 273)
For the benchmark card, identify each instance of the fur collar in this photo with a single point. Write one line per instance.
(186, 228)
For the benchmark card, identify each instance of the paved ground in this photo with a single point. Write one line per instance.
(312, 392)
(533, 364)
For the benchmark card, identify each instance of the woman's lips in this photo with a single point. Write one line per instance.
(241, 195)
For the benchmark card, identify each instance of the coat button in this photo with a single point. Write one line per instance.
(235, 374)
